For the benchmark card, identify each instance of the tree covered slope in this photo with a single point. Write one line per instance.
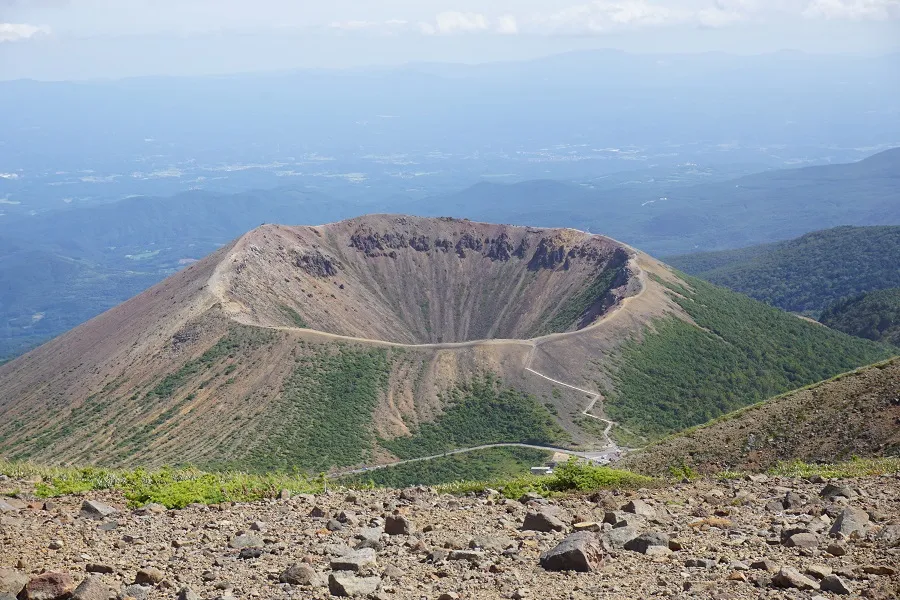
(874, 316)
(806, 274)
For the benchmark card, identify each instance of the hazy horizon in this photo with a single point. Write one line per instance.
(90, 39)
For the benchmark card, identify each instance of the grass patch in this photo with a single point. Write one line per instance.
(239, 339)
(294, 316)
(477, 413)
(323, 417)
(741, 352)
(858, 467)
(174, 488)
(572, 477)
(480, 465)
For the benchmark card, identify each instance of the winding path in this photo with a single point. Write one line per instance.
(604, 456)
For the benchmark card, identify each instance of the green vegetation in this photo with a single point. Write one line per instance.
(574, 309)
(874, 316)
(323, 417)
(572, 477)
(174, 488)
(480, 465)
(294, 316)
(806, 274)
(238, 340)
(481, 412)
(858, 467)
(738, 353)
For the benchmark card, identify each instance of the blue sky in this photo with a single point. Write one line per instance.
(59, 38)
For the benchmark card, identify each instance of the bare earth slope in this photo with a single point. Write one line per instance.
(373, 340)
(857, 414)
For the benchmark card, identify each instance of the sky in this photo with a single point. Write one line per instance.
(76, 39)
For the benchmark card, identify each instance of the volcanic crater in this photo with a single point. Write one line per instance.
(419, 281)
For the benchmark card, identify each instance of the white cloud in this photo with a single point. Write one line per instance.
(853, 9)
(12, 32)
(507, 24)
(455, 22)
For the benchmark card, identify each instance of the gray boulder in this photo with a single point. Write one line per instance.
(788, 577)
(579, 551)
(644, 542)
(346, 585)
(91, 588)
(358, 561)
(301, 574)
(12, 581)
(544, 520)
(851, 523)
(92, 509)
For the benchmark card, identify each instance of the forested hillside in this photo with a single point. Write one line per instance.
(875, 316)
(809, 273)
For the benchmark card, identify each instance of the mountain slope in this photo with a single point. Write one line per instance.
(806, 274)
(874, 316)
(388, 336)
(855, 414)
(61, 269)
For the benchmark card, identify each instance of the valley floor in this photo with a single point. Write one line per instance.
(765, 537)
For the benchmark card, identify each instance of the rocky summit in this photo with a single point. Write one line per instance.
(752, 537)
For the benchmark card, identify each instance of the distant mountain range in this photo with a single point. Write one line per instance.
(663, 218)
(64, 267)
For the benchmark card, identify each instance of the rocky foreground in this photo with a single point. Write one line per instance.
(759, 538)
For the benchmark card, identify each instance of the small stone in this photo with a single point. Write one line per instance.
(12, 581)
(618, 537)
(187, 593)
(802, 540)
(645, 541)
(836, 585)
(836, 550)
(579, 551)
(764, 565)
(700, 563)
(788, 577)
(334, 525)
(449, 596)
(358, 561)
(149, 576)
(818, 571)
(831, 492)
(301, 574)
(792, 500)
(92, 588)
(398, 525)
(92, 509)
(851, 523)
(55, 545)
(138, 592)
(879, 570)
(49, 586)
(544, 520)
(98, 568)
(257, 526)
(347, 585)
(240, 542)
(250, 553)
(640, 508)
(470, 555)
